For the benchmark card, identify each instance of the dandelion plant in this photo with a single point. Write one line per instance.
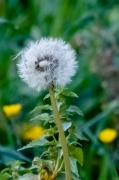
(49, 64)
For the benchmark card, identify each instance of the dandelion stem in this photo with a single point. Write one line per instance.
(15, 131)
(61, 135)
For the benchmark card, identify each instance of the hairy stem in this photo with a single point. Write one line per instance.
(61, 135)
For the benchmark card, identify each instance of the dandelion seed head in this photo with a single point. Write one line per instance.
(45, 62)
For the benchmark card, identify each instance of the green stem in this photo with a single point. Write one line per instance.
(10, 137)
(61, 135)
(15, 130)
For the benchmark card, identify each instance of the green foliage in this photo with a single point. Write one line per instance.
(74, 166)
(92, 28)
(77, 153)
(42, 117)
(5, 176)
(66, 125)
(39, 142)
(12, 171)
(75, 109)
(46, 107)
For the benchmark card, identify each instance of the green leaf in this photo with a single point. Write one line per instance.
(74, 166)
(74, 177)
(5, 176)
(80, 136)
(45, 107)
(40, 163)
(38, 142)
(15, 165)
(65, 92)
(58, 105)
(75, 109)
(77, 153)
(51, 131)
(42, 117)
(47, 96)
(72, 94)
(66, 125)
(4, 170)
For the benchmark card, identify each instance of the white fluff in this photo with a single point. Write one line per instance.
(55, 62)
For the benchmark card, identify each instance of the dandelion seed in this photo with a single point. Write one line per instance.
(48, 61)
(107, 135)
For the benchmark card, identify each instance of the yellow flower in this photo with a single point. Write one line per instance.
(107, 135)
(33, 133)
(12, 110)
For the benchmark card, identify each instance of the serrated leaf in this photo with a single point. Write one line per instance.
(42, 117)
(44, 107)
(75, 109)
(47, 96)
(66, 125)
(80, 136)
(74, 166)
(38, 142)
(77, 153)
(72, 94)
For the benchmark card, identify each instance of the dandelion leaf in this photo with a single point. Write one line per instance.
(74, 166)
(5, 176)
(74, 177)
(42, 141)
(3, 171)
(47, 96)
(43, 107)
(59, 105)
(66, 125)
(76, 153)
(41, 117)
(80, 136)
(72, 94)
(75, 109)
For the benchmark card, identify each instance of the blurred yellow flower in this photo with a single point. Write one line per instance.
(107, 135)
(33, 133)
(12, 110)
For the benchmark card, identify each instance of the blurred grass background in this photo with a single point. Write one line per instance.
(92, 28)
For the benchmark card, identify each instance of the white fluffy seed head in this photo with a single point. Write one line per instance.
(48, 61)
